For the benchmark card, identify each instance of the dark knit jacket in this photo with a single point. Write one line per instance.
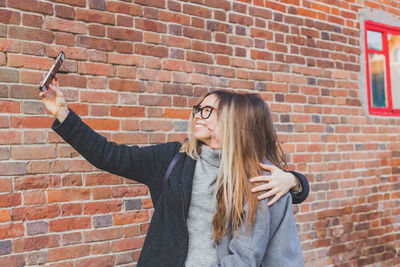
(167, 237)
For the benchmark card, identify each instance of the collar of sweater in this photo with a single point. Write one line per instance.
(210, 156)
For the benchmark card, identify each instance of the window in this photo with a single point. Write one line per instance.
(382, 48)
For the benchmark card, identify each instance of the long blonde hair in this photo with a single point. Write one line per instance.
(248, 137)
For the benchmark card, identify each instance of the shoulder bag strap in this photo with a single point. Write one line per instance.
(170, 167)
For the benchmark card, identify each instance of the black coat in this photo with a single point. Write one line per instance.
(166, 241)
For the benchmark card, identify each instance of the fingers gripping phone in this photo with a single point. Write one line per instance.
(52, 72)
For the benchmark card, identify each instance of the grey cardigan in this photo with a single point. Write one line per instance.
(273, 240)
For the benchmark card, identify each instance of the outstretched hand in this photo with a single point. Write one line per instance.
(277, 184)
(54, 101)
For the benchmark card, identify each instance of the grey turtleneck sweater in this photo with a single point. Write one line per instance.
(202, 250)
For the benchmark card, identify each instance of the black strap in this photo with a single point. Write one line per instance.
(170, 167)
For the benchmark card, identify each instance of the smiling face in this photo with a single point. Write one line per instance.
(207, 130)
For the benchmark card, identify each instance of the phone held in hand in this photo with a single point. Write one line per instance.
(52, 72)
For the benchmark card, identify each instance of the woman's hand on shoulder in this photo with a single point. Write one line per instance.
(54, 101)
(277, 184)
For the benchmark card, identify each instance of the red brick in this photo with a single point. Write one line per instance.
(126, 85)
(101, 193)
(35, 243)
(13, 260)
(66, 224)
(124, 34)
(65, 25)
(32, 5)
(125, 8)
(102, 124)
(102, 179)
(121, 111)
(126, 60)
(12, 168)
(80, 3)
(102, 235)
(72, 80)
(127, 244)
(151, 50)
(97, 30)
(155, 125)
(71, 209)
(199, 57)
(65, 12)
(26, 183)
(29, 62)
(95, 16)
(99, 97)
(150, 25)
(5, 185)
(36, 212)
(197, 33)
(125, 21)
(9, 45)
(197, 11)
(126, 72)
(31, 122)
(154, 3)
(70, 252)
(61, 195)
(71, 238)
(34, 198)
(29, 34)
(129, 191)
(102, 207)
(104, 261)
(31, 77)
(181, 19)
(95, 43)
(100, 248)
(96, 69)
(34, 152)
(240, 19)
(9, 106)
(154, 75)
(5, 215)
(11, 230)
(9, 17)
(176, 41)
(176, 113)
(9, 200)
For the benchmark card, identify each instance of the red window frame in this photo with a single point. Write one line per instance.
(385, 30)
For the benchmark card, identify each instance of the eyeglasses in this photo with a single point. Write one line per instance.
(205, 112)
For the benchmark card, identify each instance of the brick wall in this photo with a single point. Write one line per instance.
(133, 70)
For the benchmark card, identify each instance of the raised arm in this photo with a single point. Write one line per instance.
(145, 165)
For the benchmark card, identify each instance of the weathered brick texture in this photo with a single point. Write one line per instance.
(133, 70)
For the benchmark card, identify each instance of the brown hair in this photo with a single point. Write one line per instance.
(248, 138)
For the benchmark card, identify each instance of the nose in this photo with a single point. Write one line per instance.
(197, 115)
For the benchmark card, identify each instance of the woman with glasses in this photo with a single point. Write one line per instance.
(225, 225)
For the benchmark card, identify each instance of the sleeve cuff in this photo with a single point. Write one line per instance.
(63, 129)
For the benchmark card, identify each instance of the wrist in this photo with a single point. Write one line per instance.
(295, 183)
(62, 114)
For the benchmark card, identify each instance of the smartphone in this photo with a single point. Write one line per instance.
(52, 72)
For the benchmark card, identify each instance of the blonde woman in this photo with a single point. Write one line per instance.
(177, 235)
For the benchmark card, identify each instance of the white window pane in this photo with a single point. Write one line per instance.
(394, 57)
(374, 40)
(377, 75)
